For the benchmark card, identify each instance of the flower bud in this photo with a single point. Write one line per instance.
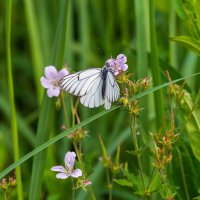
(4, 184)
(123, 101)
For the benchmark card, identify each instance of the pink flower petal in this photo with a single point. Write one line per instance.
(69, 160)
(116, 73)
(76, 173)
(111, 62)
(53, 91)
(50, 72)
(46, 83)
(87, 182)
(58, 169)
(63, 72)
(122, 58)
(125, 67)
(62, 175)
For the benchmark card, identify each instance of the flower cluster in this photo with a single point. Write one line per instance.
(8, 184)
(51, 79)
(118, 65)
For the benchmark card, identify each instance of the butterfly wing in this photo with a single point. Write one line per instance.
(94, 97)
(112, 92)
(88, 85)
(80, 83)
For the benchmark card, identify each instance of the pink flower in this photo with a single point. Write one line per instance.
(50, 81)
(86, 182)
(118, 65)
(68, 170)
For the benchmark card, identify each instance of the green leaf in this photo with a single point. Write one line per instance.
(180, 9)
(189, 42)
(123, 182)
(135, 152)
(136, 181)
(156, 69)
(197, 9)
(192, 116)
(196, 198)
(155, 183)
(44, 124)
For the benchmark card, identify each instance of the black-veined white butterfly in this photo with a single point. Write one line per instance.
(95, 86)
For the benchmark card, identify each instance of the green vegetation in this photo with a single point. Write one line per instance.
(147, 145)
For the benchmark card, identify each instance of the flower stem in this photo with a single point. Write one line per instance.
(151, 177)
(183, 174)
(78, 152)
(73, 191)
(65, 109)
(109, 183)
(5, 196)
(163, 177)
(135, 142)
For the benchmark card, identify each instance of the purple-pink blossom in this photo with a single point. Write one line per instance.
(68, 169)
(118, 65)
(86, 182)
(51, 79)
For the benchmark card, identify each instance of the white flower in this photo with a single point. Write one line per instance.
(68, 170)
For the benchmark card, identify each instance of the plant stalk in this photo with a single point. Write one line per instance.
(11, 98)
(135, 142)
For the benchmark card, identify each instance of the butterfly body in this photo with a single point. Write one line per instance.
(104, 76)
(95, 86)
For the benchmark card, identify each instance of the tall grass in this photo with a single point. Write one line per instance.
(84, 34)
(13, 120)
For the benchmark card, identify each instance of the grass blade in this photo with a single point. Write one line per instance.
(23, 128)
(11, 97)
(155, 69)
(141, 38)
(43, 131)
(35, 45)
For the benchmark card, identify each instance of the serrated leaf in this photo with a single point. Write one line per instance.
(192, 116)
(137, 182)
(189, 42)
(123, 182)
(171, 191)
(155, 183)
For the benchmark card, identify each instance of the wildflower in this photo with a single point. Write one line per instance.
(86, 182)
(145, 83)
(123, 101)
(12, 181)
(82, 183)
(51, 79)
(118, 65)
(4, 185)
(68, 170)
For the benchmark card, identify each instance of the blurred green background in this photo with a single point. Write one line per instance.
(83, 34)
